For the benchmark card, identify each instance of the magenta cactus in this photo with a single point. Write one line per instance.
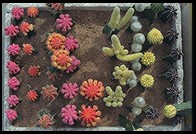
(11, 114)
(13, 100)
(69, 114)
(71, 43)
(64, 22)
(75, 62)
(11, 30)
(69, 90)
(13, 83)
(14, 49)
(17, 13)
(13, 67)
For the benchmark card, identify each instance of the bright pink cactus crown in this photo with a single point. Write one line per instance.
(11, 114)
(11, 30)
(74, 64)
(64, 22)
(69, 90)
(71, 43)
(13, 100)
(13, 83)
(17, 12)
(69, 114)
(13, 67)
(14, 49)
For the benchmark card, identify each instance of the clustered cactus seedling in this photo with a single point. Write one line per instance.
(137, 105)
(69, 90)
(13, 100)
(170, 74)
(114, 98)
(32, 95)
(152, 113)
(71, 43)
(34, 70)
(174, 55)
(45, 119)
(64, 22)
(28, 49)
(92, 89)
(13, 67)
(17, 12)
(13, 83)
(169, 111)
(171, 36)
(13, 49)
(147, 80)
(122, 73)
(168, 13)
(49, 92)
(32, 11)
(148, 58)
(155, 36)
(27, 29)
(69, 114)
(11, 30)
(90, 116)
(11, 114)
(138, 40)
(172, 93)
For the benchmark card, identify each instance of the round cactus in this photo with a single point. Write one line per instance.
(136, 111)
(139, 102)
(49, 92)
(168, 13)
(136, 47)
(17, 12)
(25, 28)
(32, 95)
(148, 58)
(13, 83)
(171, 36)
(34, 71)
(156, 7)
(74, 64)
(11, 30)
(169, 111)
(139, 7)
(170, 74)
(174, 55)
(14, 49)
(13, 100)
(155, 36)
(134, 19)
(139, 38)
(56, 6)
(147, 80)
(45, 121)
(136, 66)
(71, 43)
(13, 67)
(64, 22)
(132, 83)
(136, 26)
(28, 49)
(11, 114)
(69, 90)
(32, 11)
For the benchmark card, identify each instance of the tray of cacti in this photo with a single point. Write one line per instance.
(107, 67)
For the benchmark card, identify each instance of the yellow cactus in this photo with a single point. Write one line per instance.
(147, 80)
(169, 111)
(148, 58)
(155, 36)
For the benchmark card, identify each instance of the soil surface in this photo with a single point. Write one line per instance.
(94, 64)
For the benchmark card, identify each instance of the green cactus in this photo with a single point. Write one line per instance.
(156, 7)
(115, 17)
(108, 51)
(114, 98)
(130, 57)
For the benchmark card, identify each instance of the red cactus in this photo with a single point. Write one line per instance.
(49, 92)
(34, 71)
(13, 67)
(69, 90)
(13, 49)
(92, 89)
(17, 12)
(71, 43)
(11, 114)
(45, 121)
(32, 95)
(32, 11)
(28, 49)
(89, 116)
(74, 64)
(11, 30)
(13, 83)
(57, 6)
(13, 100)
(25, 27)
(64, 21)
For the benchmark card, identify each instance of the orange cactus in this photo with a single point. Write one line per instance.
(61, 59)
(34, 71)
(55, 41)
(32, 11)
(49, 92)
(28, 49)
(32, 95)
(25, 27)
(92, 89)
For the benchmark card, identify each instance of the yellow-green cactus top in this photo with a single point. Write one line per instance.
(147, 80)
(154, 36)
(169, 111)
(148, 58)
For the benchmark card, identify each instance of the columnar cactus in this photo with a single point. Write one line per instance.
(74, 64)
(49, 92)
(64, 22)
(25, 28)
(32, 11)
(17, 13)
(92, 89)
(71, 43)
(32, 95)
(69, 114)
(170, 74)
(34, 70)
(13, 83)
(169, 111)
(168, 13)
(147, 80)
(11, 30)
(13, 100)
(13, 67)
(69, 90)
(89, 116)
(11, 114)
(28, 49)
(148, 58)
(174, 55)
(13, 49)
(114, 98)
(154, 36)
(122, 73)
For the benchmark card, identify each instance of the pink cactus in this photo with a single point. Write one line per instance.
(11, 114)
(64, 22)
(11, 30)
(13, 100)
(14, 49)
(69, 90)
(71, 43)
(69, 114)
(57, 6)
(13, 83)
(17, 12)
(75, 62)
(13, 67)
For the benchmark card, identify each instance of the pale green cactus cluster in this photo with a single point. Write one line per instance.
(114, 98)
(138, 104)
(122, 73)
(119, 51)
